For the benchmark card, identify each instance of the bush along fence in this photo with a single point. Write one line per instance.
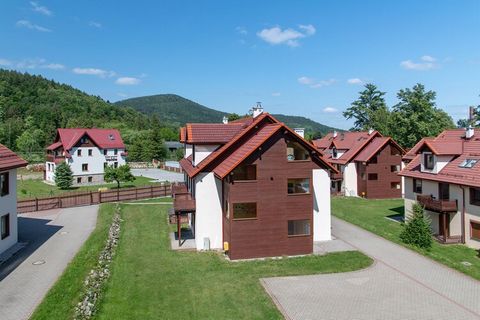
(98, 276)
(76, 199)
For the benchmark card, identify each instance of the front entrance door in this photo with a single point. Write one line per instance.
(444, 225)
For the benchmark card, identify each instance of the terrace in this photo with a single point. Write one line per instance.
(437, 205)
(183, 213)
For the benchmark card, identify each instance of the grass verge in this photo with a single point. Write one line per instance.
(371, 215)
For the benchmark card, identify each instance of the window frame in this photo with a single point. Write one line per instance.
(105, 152)
(297, 144)
(244, 203)
(245, 180)
(5, 219)
(90, 152)
(395, 168)
(371, 175)
(79, 179)
(473, 201)
(83, 165)
(299, 235)
(298, 193)
(425, 157)
(4, 184)
(415, 188)
(79, 152)
(472, 222)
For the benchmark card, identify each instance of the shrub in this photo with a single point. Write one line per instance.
(63, 176)
(417, 229)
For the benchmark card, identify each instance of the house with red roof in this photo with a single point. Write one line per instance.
(443, 175)
(368, 163)
(254, 187)
(9, 163)
(87, 152)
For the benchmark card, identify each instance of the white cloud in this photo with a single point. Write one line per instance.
(40, 9)
(330, 110)
(289, 37)
(5, 62)
(53, 66)
(313, 83)
(276, 94)
(241, 30)
(95, 24)
(94, 72)
(27, 24)
(127, 81)
(354, 81)
(426, 63)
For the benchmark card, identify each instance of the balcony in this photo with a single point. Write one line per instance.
(336, 176)
(53, 158)
(433, 204)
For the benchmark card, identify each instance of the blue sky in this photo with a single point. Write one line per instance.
(305, 58)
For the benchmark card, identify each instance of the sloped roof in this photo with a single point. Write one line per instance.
(453, 141)
(103, 138)
(412, 153)
(203, 133)
(9, 159)
(374, 147)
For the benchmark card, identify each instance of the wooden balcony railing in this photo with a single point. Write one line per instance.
(52, 158)
(433, 204)
(336, 176)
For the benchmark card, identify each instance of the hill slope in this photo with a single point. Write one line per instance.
(177, 111)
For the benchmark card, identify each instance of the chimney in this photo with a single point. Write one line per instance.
(257, 110)
(469, 132)
(300, 132)
(370, 131)
(225, 120)
(334, 133)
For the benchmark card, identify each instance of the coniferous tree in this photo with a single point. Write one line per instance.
(417, 230)
(63, 176)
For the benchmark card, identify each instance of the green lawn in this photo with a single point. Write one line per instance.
(370, 215)
(37, 188)
(149, 281)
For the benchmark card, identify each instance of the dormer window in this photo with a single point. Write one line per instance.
(428, 161)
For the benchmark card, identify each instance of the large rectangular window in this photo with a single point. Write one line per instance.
(372, 176)
(295, 151)
(244, 211)
(245, 172)
(84, 166)
(475, 230)
(443, 191)
(79, 152)
(428, 161)
(417, 185)
(395, 168)
(299, 227)
(475, 196)
(298, 186)
(4, 226)
(4, 184)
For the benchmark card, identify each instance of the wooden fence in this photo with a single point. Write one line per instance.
(76, 199)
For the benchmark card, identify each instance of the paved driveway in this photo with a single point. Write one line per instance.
(158, 174)
(400, 285)
(53, 237)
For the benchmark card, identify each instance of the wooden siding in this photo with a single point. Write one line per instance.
(382, 187)
(267, 235)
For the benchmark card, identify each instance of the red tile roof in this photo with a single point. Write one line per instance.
(214, 133)
(183, 135)
(9, 159)
(412, 153)
(374, 147)
(103, 138)
(452, 172)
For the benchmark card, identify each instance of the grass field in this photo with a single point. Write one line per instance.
(149, 281)
(30, 188)
(371, 215)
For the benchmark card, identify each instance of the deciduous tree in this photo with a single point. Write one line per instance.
(119, 174)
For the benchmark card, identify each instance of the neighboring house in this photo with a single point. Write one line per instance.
(173, 146)
(87, 152)
(258, 188)
(9, 162)
(369, 164)
(443, 175)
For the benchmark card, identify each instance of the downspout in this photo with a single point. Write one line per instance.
(463, 215)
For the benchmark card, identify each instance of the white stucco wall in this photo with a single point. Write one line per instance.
(208, 217)
(188, 150)
(95, 162)
(8, 204)
(321, 205)
(439, 161)
(50, 173)
(350, 180)
(203, 151)
(472, 214)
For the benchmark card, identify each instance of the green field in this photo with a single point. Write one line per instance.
(371, 215)
(149, 281)
(31, 188)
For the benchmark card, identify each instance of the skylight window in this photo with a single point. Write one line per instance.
(111, 137)
(468, 163)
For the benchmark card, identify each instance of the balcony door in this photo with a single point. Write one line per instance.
(443, 191)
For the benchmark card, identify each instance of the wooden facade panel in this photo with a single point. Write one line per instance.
(267, 235)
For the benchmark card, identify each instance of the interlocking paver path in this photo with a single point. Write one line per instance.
(400, 285)
(54, 237)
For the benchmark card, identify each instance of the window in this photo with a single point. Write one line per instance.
(79, 152)
(372, 176)
(105, 152)
(245, 172)
(395, 168)
(373, 160)
(4, 184)
(244, 211)
(115, 164)
(395, 185)
(428, 161)
(115, 151)
(298, 186)
(475, 196)
(79, 180)
(417, 185)
(475, 230)
(296, 152)
(90, 179)
(111, 137)
(363, 175)
(90, 152)
(468, 163)
(105, 164)
(84, 166)
(5, 226)
(443, 191)
(334, 153)
(299, 227)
